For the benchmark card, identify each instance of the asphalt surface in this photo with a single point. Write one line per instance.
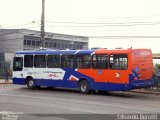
(70, 104)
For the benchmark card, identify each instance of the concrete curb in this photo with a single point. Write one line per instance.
(147, 92)
(6, 83)
(2, 81)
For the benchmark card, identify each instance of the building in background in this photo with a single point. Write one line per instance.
(12, 40)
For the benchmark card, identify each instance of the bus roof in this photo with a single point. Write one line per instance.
(56, 52)
(112, 51)
(73, 52)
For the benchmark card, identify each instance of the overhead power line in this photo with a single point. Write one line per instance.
(129, 17)
(99, 24)
(107, 18)
(108, 23)
(124, 37)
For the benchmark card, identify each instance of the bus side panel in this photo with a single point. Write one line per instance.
(20, 81)
(107, 76)
(68, 77)
(105, 84)
(49, 82)
(71, 79)
(73, 76)
(111, 86)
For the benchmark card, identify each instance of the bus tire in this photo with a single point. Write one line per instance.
(31, 83)
(84, 87)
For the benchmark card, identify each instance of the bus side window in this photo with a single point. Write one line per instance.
(79, 61)
(100, 61)
(68, 61)
(87, 61)
(83, 61)
(118, 62)
(28, 61)
(53, 61)
(64, 61)
(40, 61)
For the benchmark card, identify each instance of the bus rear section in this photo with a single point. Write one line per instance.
(142, 68)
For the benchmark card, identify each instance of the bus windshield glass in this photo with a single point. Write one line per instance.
(18, 64)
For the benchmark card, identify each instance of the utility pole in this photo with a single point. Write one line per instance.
(42, 24)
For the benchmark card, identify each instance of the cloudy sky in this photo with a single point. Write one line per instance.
(108, 23)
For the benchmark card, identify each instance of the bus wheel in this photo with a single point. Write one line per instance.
(30, 83)
(84, 87)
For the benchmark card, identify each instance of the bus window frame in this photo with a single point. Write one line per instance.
(22, 65)
(32, 61)
(84, 63)
(74, 62)
(59, 62)
(45, 60)
(127, 65)
(96, 62)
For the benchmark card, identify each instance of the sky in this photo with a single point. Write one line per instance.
(108, 23)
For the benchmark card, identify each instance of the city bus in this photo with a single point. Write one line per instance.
(86, 70)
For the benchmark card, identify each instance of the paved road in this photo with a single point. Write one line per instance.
(34, 103)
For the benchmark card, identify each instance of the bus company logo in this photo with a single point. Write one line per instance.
(99, 72)
(137, 69)
(52, 75)
(118, 75)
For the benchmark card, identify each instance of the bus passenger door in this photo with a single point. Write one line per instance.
(100, 67)
(17, 70)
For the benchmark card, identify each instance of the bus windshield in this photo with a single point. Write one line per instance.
(18, 64)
